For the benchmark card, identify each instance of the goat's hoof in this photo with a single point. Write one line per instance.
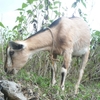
(62, 88)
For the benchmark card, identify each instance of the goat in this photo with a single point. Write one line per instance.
(65, 36)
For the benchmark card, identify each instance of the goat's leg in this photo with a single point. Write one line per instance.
(67, 61)
(83, 65)
(53, 70)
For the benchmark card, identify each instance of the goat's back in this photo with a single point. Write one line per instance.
(72, 33)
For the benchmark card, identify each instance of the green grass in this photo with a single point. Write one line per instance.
(87, 91)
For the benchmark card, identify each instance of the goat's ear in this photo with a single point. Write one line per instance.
(16, 46)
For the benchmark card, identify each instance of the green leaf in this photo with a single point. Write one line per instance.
(20, 19)
(57, 2)
(15, 27)
(40, 6)
(83, 3)
(56, 12)
(50, 6)
(20, 13)
(24, 5)
(74, 4)
(29, 12)
(20, 9)
(97, 33)
(31, 1)
(2, 25)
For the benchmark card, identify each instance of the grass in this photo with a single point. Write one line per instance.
(87, 91)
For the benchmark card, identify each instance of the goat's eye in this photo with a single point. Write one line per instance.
(11, 53)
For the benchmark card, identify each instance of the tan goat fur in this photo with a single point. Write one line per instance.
(71, 37)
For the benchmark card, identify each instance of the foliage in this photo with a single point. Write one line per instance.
(81, 12)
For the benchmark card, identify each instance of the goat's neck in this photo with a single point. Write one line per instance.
(41, 41)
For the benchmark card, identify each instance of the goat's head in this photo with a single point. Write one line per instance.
(17, 54)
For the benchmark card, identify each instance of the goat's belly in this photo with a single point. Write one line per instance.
(80, 52)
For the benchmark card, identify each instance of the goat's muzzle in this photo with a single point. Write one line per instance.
(11, 71)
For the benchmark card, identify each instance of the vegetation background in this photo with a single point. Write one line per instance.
(36, 73)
